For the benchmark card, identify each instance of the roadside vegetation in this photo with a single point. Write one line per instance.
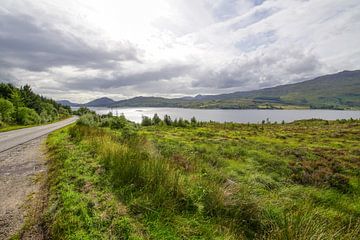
(21, 107)
(178, 179)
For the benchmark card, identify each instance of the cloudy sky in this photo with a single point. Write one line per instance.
(84, 49)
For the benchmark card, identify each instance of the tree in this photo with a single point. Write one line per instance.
(193, 121)
(167, 120)
(156, 120)
(146, 121)
(6, 90)
(6, 110)
(181, 122)
(118, 122)
(27, 116)
(83, 110)
(48, 112)
(16, 99)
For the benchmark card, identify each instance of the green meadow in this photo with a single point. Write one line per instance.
(164, 179)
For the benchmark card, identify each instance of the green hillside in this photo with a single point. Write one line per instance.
(341, 89)
(335, 91)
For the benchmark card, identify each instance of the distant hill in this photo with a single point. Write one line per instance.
(100, 102)
(68, 103)
(334, 91)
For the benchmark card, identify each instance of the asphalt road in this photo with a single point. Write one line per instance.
(16, 137)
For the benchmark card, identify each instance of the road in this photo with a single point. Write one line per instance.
(13, 138)
(22, 166)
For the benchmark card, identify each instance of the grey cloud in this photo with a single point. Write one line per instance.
(7, 77)
(166, 72)
(25, 43)
(278, 66)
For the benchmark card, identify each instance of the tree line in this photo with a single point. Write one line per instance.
(21, 106)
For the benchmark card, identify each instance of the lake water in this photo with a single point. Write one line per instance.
(231, 115)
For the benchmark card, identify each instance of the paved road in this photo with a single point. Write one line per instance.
(13, 138)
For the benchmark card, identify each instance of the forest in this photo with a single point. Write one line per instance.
(21, 107)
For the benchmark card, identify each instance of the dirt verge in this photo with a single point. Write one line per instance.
(23, 190)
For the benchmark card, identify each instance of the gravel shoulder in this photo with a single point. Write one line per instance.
(19, 168)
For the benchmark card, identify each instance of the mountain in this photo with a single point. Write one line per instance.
(100, 102)
(335, 91)
(340, 90)
(68, 103)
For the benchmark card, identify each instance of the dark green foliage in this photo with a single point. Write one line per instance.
(156, 120)
(146, 121)
(90, 120)
(167, 120)
(43, 110)
(6, 110)
(83, 110)
(193, 121)
(118, 122)
(27, 116)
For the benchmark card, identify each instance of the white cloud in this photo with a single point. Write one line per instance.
(83, 49)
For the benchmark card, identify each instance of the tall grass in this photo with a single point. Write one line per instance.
(238, 185)
(134, 171)
(308, 224)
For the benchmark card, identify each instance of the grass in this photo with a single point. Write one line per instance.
(206, 181)
(7, 128)
(14, 127)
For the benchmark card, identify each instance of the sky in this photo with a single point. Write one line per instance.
(80, 50)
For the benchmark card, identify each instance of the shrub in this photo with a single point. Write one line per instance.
(193, 121)
(105, 121)
(167, 120)
(27, 116)
(6, 109)
(156, 120)
(48, 112)
(88, 120)
(146, 121)
(118, 122)
(83, 110)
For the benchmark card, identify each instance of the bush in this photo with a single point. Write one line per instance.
(167, 120)
(118, 122)
(88, 120)
(27, 116)
(193, 121)
(83, 110)
(6, 109)
(146, 121)
(156, 120)
(48, 112)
